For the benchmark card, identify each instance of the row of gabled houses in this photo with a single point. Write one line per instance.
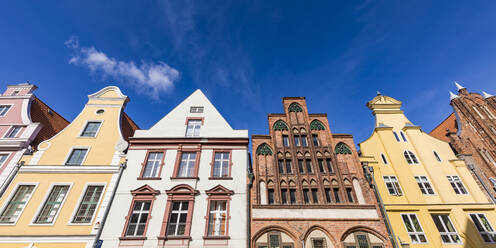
(191, 180)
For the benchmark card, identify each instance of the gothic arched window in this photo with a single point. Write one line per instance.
(317, 125)
(280, 125)
(342, 148)
(295, 107)
(264, 149)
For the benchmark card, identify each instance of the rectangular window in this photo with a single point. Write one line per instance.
(321, 165)
(309, 165)
(349, 194)
(392, 185)
(285, 141)
(187, 164)
(329, 165)
(315, 196)
(76, 157)
(12, 133)
(300, 166)
(221, 164)
(217, 218)
(292, 196)
(297, 140)
(336, 195)
(193, 128)
(271, 196)
(16, 204)
(280, 165)
(457, 185)
(284, 196)
(289, 169)
(306, 196)
(304, 141)
(414, 228)
(196, 109)
(139, 217)
(152, 166)
(328, 195)
(318, 243)
(91, 129)
(4, 109)
(446, 229)
(315, 139)
(177, 219)
(274, 241)
(88, 204)
(3, 158)
(484, 227)
(424, 185)
(52, 204)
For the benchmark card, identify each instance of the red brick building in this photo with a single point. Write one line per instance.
(308, 188)
(471, 132)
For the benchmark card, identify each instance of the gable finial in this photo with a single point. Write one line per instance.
(486, 95)
(453, 95)
(379, 93)
(458, 86)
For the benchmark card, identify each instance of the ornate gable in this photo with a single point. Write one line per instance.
(219, 190)
(145, 190)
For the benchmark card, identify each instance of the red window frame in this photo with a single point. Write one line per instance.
(143, 193)
(143, 165)
(212, 164)
(218, 193)
(180, 151)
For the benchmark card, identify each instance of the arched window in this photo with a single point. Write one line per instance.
(317, 125)
(264, 149)
(384, 160)
(362, 239)
(263, 191)
(403, 136)
(295, 107)
(280, 125)
(437, 156)
(342, 148)
(410, 157)
(396, 136)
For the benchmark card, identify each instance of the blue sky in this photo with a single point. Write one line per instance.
(246, 55)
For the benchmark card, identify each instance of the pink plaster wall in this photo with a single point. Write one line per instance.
(14, 114)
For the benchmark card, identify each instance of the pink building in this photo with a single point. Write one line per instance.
(25, 121)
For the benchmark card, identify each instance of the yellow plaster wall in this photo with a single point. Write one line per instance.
(44, 245)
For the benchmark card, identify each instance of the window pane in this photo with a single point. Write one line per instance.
(292, 195)
(16, 204)
(217, 218)
(221, 164)
(91, 129)
(152, 166)
(88, 205)
(187, 165)
(271, 196)
(52, 204)
(76, 157)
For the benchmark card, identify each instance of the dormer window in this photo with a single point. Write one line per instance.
(193, 128)
(196, 109)
(4, 109)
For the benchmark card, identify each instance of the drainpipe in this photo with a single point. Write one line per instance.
(10, 177)
(472, 168)
(107, 210)
(248, 203)
(369, 175)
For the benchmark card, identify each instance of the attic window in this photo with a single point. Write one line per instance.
(100, 111)
(196, 109)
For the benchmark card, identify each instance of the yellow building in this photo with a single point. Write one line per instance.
(429, 195)
(60, 194)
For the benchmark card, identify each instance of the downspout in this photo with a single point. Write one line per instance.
(248, 203)
(472, 168)
(369, 175)
(122, 167)
(10, 177)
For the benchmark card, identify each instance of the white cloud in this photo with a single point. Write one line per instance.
(148, 78)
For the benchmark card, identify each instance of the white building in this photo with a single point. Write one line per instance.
(185, 183)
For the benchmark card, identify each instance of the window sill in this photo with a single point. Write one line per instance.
(217, 237)
(132, 238)
(173, 178)
(173, 237)
(220, 178)
(149, 178)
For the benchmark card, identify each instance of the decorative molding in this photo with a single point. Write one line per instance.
(93, 169)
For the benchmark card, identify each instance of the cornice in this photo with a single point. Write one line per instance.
(57, 169)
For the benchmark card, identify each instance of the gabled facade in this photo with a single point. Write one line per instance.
(185, 183)
(428, 193)
(59, 196)
(308, 188)
(25, 121)
(471, 132)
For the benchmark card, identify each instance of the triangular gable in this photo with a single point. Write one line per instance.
(219, 190)
(145, 190)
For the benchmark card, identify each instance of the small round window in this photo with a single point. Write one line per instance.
(100, 111)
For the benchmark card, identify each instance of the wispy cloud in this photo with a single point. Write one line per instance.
(151, 78)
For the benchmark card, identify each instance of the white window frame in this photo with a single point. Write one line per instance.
(196, 109)
(214, 219)
(74, 212)
(490, 233)
(84, 127)
(222, 160)
(179, 212)
(140, 212)
(416, 233)
(445, 228)
(11, 195)
(47, 194)
(70, 152)
(6, 158)
(6, 112)
(423, 180)
(186, 169)
(195, 131)
(411, 156)
(396, 185)
(154, 166)
(452, 177)
(10, 130)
